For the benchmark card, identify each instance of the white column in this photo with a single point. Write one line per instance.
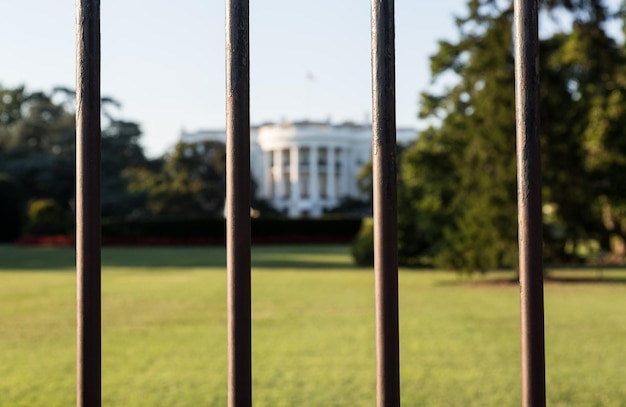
(346, 173)
(294, 178)
(330, 174)
(267, 188)
(314, 182)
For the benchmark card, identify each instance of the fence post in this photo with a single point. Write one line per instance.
(88, 326)
(529, 202)
(385, 204)
(238, 203)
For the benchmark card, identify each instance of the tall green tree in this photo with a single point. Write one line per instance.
(584, 150)
(460, 175)
(121, 151)
(37, 144)
(191, 181)
(37, 147)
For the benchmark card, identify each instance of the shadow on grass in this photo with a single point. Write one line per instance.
(587, 280)
(586, 275)
(36, 258)
(319, 257)
(579, 275)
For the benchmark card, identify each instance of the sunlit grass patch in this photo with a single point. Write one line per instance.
(164, 333)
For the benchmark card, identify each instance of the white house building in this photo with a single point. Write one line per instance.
(303, 168)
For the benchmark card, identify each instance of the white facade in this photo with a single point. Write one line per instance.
(304, 168)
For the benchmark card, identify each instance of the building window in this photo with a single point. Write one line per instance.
(322, 157)
(322, 186)
(287, 183)
(338, 159)
(304, 185)
(271, 187)
(303, 156)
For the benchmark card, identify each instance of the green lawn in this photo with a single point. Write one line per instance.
(164, 332)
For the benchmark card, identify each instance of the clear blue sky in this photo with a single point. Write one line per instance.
(164, 60)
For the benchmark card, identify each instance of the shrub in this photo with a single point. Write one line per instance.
(11, 208)
(363, 245)
(46, 217)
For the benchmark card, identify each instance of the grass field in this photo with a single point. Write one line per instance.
(164, 332)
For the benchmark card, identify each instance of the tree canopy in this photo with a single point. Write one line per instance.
(460, 178)
(37, 152)
(191, 181)
(37, 148)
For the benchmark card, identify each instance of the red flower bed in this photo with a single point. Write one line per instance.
(57, 240)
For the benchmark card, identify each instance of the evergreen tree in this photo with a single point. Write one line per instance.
(461, 176)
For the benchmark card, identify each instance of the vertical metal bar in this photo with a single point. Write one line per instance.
(529, 202)
(385, 204)
(88, 364)
(238, 203)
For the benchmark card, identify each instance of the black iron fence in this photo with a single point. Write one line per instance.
(89, 348)
(238, 203)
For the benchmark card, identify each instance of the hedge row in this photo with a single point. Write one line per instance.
(215, 228)
(212, 231)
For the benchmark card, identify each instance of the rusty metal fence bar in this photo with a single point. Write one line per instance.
(529, 202)
(238, 203)
(88, 314)
(385, 204)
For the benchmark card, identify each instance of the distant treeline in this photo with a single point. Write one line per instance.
(457, 189)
